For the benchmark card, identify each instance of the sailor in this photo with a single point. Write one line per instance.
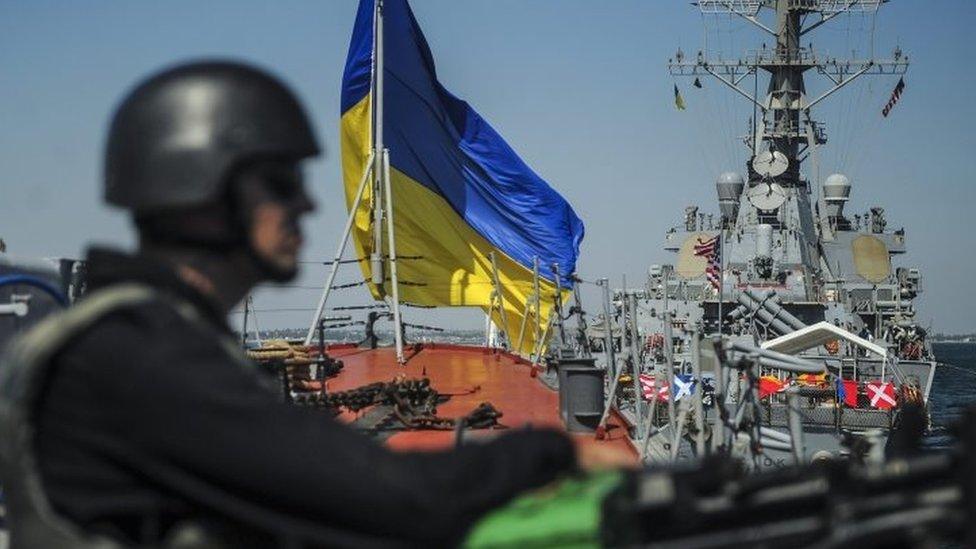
(134, 414)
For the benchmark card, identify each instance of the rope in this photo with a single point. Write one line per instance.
(276, 310)
(340, 262)
(343, 308)
(338, 286)
(358, 259)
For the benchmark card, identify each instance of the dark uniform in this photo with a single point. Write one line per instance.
(144, 415)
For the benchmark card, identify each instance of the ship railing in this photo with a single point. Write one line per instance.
(775, 56)
(737, 391)
(826, 413)
(820, 410)
(742, 7)
(836, 6)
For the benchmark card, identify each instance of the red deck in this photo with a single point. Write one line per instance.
(472, 375)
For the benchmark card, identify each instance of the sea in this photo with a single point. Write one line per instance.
(953, 390)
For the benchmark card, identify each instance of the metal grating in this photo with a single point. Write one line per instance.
(835, 6)
(751, 7)
(776, 415)
(743, 7)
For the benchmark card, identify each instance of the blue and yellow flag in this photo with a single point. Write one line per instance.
(459, 190)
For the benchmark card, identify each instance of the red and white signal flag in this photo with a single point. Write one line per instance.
(651, 390)
(882, 395)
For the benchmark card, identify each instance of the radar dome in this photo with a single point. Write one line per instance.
(729, 186)
(836, 190)
(837, 186)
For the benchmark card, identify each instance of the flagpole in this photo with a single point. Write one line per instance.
(376, 257)
(721, 275)
(383, 194)
(394, 279)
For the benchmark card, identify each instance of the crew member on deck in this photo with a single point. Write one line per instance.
(134, 417)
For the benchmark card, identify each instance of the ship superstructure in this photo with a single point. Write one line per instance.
(785, 262)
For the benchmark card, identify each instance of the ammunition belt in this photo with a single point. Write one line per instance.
(413, 404)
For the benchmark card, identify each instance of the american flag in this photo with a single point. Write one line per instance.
(711, 250)
(895, 96)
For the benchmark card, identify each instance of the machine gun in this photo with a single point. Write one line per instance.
(903, 503)
(915, 500)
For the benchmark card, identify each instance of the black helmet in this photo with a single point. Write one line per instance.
(175, 138)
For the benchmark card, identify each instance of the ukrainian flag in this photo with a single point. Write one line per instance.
(459, 190)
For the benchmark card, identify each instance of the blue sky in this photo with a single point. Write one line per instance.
(579, 88)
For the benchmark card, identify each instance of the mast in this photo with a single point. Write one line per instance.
(786, 90)
(785, 126)
(784, 132)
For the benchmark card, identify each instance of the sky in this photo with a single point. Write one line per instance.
(579, 88)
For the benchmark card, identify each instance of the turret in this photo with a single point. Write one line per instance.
(729, 187)
(836, 191)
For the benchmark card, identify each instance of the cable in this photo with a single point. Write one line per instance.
(327, 263)
(350, 285)
(422, 327)
(275, 310)
(359, 259)
(291, 286)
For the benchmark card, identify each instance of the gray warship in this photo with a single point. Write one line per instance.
(782, 322)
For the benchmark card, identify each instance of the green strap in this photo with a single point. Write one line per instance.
(567, 514)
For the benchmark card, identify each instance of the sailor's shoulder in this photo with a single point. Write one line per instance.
(127, 323)
(131, 309)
